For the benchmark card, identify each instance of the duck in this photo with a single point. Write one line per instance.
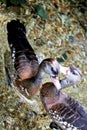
(29, 72)
(65, 111)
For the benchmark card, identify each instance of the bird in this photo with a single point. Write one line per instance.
(29, 72)
(65, 111)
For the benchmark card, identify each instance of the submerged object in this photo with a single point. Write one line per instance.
(41, 12)
(14, 2)
(66, 112)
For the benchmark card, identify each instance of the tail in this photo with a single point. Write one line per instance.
(21, 51)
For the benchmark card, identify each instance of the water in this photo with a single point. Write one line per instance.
(63, 36)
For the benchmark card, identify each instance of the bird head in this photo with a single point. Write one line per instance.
(51, 67)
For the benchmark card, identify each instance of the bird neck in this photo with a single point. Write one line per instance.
(39, 76)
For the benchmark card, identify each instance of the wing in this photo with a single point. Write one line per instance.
(24, 58)
(65, 111)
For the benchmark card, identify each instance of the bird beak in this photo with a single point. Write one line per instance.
(64, 70)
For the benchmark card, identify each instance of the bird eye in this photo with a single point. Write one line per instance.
(54, 72)
(75, 70)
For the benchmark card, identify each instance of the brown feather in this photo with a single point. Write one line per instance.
(64, 110)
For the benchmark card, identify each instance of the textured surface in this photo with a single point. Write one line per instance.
(63, 35)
